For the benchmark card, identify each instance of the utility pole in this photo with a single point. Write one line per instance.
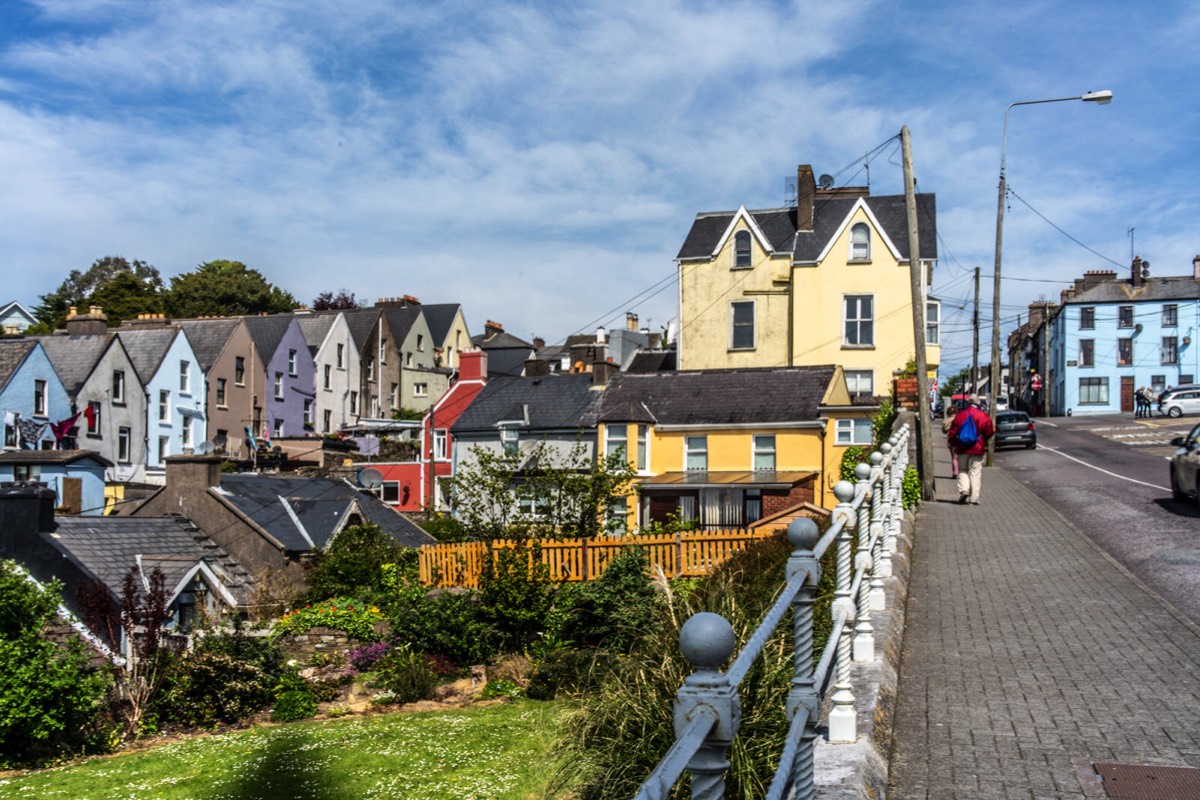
(924, 417)
(975, 345)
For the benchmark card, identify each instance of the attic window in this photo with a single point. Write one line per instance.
(860, 242)
(741, 250)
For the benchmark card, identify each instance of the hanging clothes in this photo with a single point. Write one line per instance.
(89, 414)
(31, 433)
(62, 428)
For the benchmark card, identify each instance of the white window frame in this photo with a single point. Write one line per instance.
(41, 400)
(441, 444)
(395, 396)
(328, 378)
(762, 445)
(860, 243)
(420, 390)
(291, 362)
(278, 385)
(858, 320)
(734, 325)
(613, 440)
(185, 377)
(643, 453)
(1170, 350)
(854, 381)
(854, 432)
(1095, 389)
(326, 420)
(164, 405)
(741, 254)
(277, 432)
(510, 440)
(933, 322)
(118, 386)
(93, 425)
(164, 448)
(185, 431)
(124, 443)
(695, 447)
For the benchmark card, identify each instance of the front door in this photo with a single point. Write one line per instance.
(1126, 393)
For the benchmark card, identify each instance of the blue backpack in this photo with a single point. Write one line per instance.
(968, 434)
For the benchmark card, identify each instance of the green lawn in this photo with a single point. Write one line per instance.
(499, 751)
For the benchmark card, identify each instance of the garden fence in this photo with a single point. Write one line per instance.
(680, 555)
(707, 708)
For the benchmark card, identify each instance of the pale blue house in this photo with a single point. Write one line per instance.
(15, 318)
(1114, 336)
(32, 397)
(76, 476)
(173, 380)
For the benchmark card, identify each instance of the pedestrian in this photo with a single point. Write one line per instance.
(970, 433)
(951, 443)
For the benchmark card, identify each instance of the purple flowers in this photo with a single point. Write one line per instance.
(364, 658)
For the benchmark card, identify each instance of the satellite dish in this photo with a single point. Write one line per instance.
(205, 448)
(370, 478)
(825, 181)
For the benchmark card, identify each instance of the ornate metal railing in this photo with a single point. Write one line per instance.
(707, 708)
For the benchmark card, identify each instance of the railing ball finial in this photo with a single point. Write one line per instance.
(863, 471)
(707, 640)
(843, 491)
(803, 533)
(877, 458)
(885, 448)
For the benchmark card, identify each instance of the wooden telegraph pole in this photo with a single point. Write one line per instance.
(924, 417)
(975, 345)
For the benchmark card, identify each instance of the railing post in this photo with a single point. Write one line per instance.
(707, 641)
(842, 719)
(882, 565)
(896, 478)
(864, 632)
(803, 535)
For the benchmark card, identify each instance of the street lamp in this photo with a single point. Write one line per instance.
(1100, 98)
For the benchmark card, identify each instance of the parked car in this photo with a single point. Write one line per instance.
(1001, 403)
(1180, 402)
(1015, 429)
(1185, 466)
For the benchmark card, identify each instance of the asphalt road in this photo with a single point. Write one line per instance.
(1109, 476)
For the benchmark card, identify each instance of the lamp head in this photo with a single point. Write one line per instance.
(1102, 97)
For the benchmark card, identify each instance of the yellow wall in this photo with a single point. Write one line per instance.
(707, 288)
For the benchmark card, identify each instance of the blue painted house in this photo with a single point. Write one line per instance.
(32, 396)
(289, 375)
(76, 476)
(15, 318)
(1113, 336)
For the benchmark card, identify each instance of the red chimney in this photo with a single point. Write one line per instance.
(472, 365)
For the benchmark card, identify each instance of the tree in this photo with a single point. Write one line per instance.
(225, 288)
(49, 697)
(353, 565)
(121, 287)
(342, 301)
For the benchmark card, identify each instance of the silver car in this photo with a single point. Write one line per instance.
(1015, 429)
(1178, 403)
(1185, 466)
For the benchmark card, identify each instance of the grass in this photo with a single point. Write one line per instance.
(497, 751)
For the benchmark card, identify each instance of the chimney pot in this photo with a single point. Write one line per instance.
(806, 193)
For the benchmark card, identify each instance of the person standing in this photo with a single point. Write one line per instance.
(971, 431)
(951, 443)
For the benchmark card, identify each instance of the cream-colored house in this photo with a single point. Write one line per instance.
(825, 282)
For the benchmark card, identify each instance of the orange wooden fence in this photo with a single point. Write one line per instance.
(680, 555)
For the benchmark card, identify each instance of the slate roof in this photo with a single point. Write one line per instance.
(779, 227)
(507, 362)
(315, 328)
(439, 317)
(267, 332)
(716, 397)
(652, 361)
(1183, 287)
(401, 320)
(51, 457)
(305, 513)
(107, 547)
(552, 402)
(361, 322)
(13, 353)
(208, 337)
(74, 357)
(147, 347)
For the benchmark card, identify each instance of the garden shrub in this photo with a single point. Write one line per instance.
(446, 623)
(363, 658)
(226, 678)
(406, 675)
(851, 457)
(515, 594)
(613, 610)
(501, 688)
(50, 701)
(294, 700)
(910, 487)
(356, 618)
(353, 564)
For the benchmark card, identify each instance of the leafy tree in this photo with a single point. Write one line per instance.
(342, 301)
(353, 565)
(225, 288)
(49, 698)
(121, 287)
(515, 594)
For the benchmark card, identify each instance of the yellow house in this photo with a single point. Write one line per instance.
(729, 447)
(825, 282)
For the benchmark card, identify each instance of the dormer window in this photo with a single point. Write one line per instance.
(860, 242)
(741, 250)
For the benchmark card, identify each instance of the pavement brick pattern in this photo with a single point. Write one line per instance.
(1026, 647)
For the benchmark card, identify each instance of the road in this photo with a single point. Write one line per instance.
(1109, 476)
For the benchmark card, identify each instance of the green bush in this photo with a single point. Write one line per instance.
(613, 610)
(910, 487)
(293, 699)
(446, 623)
(352, 565)
(225, 678)
(50, 701)
(882, 422)
(356, 618)
(851, 458)
(501, 688)
(406, 674)
(445, 528)
(515, 594)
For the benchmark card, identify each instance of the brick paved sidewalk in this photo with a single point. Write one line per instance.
(1025, 648)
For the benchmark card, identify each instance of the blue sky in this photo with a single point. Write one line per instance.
(541, 162)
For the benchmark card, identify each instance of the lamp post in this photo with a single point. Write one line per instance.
(994, 381)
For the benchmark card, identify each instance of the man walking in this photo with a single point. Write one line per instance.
(970, 432)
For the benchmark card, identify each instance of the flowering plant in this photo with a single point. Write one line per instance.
(347, 614)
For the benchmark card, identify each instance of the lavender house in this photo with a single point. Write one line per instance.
(289, 375)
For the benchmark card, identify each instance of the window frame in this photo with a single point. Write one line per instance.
(695, 447)
(185, 377)
(1124, 316)
(1170, 315)
(341, 353)
(735, 325)
(327, 420)
(420, 390)
(118, 387)
(860, 242)
(441, 444)
(849, 431)
(1170, 351)
(278, 386)
(510, 440)
(239, 370)
(41, 398)
(291, 362)
(933, 322)
(1087, 318)
(760, 448)
(1087, 352)
(1125, 351)
(93, 424)
(328, 378)
(222, 394)
(858, 374)
(614, 442)
(164, 405)
(858, 321)
(1095, 386)
(741, 256)
(124, 445)
(643, 453)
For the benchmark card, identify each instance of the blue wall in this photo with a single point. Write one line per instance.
(17, 394)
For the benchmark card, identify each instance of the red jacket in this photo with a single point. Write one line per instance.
(983, 424)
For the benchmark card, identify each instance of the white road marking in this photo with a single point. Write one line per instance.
(1106, 472)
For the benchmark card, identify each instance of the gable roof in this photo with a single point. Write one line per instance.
(717, 397)
(777, 227)
(267, 332)
(63, 457)
(1183, 287)
(547, 402)
(12, 306)
(208, 337)
(440, 317)
(306, 513)
(315, 327)
(74, 357)
(147, 347)
(361, 322)
(13, 353)
(401, 321)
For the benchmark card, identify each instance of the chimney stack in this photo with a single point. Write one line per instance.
(472, 365)
(601, 335)
(806, 194)
(92, 323)
(1196, 268)
(491, 328)
(601, 372)
(1136, 270)
(631, 320)
(539, 343)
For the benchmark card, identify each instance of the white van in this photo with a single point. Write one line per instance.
(1002, 403)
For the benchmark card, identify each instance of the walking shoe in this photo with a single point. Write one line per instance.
(963, 498)
(974, 502)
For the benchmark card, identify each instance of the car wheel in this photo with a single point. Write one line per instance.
(1031, 446)
(1174, 411)
(1176, 492)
